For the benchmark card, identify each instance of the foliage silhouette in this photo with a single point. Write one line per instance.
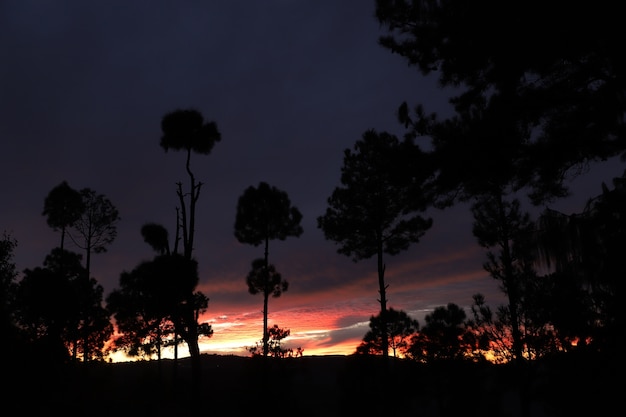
(150, 304)
(275, 349)
(12, 346)
(502, 225)
(376, 211)
(530, 110)
(530, 113)
(586, 251)
(186, 130)
(265, 213)
(96, 227)
(267, 281)
(157, 237)
(63, 206)
(56, 306)
(490, 332)
(443, 337)
(8, 276)
(526, 116)
(399, 329)
(92, 231)
(139, 314)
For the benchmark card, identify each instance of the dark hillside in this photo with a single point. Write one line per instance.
(310, 386)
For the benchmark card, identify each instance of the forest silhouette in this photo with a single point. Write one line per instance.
(531, 112)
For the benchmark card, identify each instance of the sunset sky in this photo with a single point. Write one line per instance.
(290, 84)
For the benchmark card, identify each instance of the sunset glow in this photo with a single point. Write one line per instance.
(316, 332)
(333, 322)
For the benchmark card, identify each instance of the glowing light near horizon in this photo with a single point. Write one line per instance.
(335, 327)
(234, 339)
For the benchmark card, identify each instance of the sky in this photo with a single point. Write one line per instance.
(290, 84)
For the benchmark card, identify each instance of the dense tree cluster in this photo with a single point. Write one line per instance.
(57, 309)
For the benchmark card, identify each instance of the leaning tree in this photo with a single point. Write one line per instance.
(378, 209)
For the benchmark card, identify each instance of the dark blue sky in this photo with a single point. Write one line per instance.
(290, 84)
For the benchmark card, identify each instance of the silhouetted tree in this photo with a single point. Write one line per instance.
(490, 333)
(265, 213)
(92, 231)
(267, 281)
(43, 309)
(8, 286)
(276, 335)
(157, 237)
(399, 327)
(151, 306)
(140, 315)
(63, 206)
(502, 224)
(98, 330)
(275, 349)
(531, 110)
(569, 308)
(96, 227)
(61, 310)
(90, 327)
(376, 211)
(585, 251)
(443, 337)
(8, 275)
(187, 131)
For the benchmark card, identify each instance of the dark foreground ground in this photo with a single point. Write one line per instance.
(313, 386)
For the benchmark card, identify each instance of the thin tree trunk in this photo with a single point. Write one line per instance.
(266, 298)
(382, 290)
